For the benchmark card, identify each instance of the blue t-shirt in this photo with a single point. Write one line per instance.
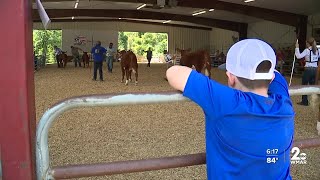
(244, 129)
(98, 53)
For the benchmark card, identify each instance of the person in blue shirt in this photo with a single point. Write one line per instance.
(249, 124)
(98, 53)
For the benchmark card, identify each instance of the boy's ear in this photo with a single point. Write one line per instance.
(231, 79)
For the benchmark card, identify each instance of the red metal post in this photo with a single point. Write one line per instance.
(17, 108)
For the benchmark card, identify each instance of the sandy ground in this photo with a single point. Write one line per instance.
(93, 135)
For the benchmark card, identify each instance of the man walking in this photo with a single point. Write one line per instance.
(57, 53)
(110, 54)
(76, 55)
(149, 56)
(98, 55)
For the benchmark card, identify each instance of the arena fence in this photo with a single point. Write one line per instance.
(45, 172)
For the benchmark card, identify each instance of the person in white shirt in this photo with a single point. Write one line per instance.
(168, 58)
(311, 55)
(110, 53)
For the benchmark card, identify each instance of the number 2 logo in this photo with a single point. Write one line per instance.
(296, 152)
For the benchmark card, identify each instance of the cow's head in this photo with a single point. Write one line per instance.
(120, 53)
(183, 51)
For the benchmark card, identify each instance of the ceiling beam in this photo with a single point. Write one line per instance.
(262, 13)
(258, 12)
(127, 20)
(137, 14)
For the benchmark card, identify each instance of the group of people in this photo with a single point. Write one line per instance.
(99, 54)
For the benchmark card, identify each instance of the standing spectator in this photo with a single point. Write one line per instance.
(168, 58)
(57, 53)
(149, 56)
(110, 54)
(311, 56)
(76, 55)
(98, 53)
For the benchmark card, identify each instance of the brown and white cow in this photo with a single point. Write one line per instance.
(200, 60)
(128, 64)
(85, 59)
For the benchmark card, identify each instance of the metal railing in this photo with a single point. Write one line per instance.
(44, 171)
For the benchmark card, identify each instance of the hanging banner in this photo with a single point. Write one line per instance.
(80, 40)
(43, 15)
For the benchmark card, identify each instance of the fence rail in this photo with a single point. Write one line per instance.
(44, 171)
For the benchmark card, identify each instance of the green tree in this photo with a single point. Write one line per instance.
(123, 41)
(139, 42)
(43, 42)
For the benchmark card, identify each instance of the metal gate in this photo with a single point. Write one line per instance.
(45, 172)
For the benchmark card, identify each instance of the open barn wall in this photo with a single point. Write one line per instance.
(178, 37)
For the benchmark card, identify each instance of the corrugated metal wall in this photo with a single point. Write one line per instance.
(278, 35)
(221, 39)
(179, 37)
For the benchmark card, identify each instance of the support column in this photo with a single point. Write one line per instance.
(243, 31)
(17, 108)
(301, 30)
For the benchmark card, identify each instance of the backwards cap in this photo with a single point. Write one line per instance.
(244, 57)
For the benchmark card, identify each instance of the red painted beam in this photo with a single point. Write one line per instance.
(17, 108)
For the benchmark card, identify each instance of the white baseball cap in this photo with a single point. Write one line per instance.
(244, 57)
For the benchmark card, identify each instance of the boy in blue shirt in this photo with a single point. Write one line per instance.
(98, 53)
(250, 122)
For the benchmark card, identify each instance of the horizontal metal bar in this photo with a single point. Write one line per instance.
(304, 90)
(50, 115)
(42, 156)
(121, 167)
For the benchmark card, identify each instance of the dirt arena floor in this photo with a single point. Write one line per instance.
(93, 135)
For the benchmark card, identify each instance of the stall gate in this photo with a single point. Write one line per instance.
(45, 172)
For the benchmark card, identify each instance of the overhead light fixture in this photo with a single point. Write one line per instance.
(166, 21)
(246, 1)
(76, 5)
(211, 10)
(120, 18)
(72, 17)
(141, 6)
(197, 13)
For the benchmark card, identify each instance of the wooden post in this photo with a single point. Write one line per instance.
(17, 108)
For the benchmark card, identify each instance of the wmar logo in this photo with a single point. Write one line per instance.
(298, 158)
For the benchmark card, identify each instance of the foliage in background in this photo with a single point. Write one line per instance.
(43, 42)
(141, 41)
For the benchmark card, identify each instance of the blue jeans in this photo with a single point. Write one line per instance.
(110, 63)
(97, 66)
(308, 78)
